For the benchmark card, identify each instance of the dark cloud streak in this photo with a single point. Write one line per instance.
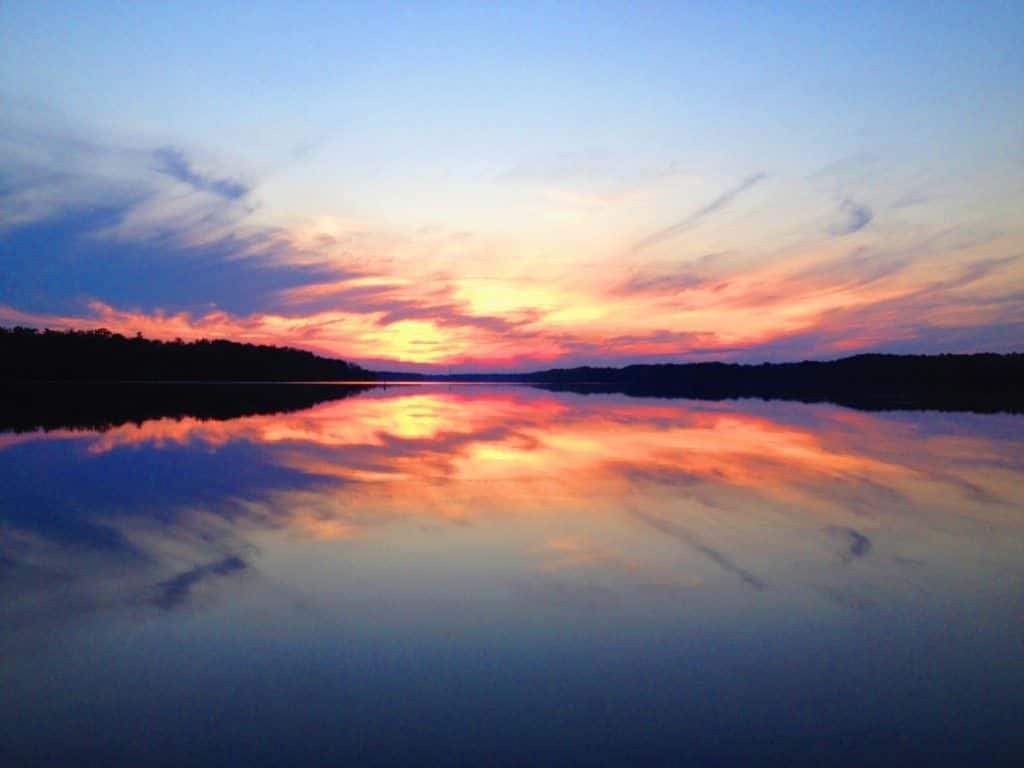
(855, 543)
(172, 162)
(175, 591)
(853, 218)
(694, 218)
(718, 558)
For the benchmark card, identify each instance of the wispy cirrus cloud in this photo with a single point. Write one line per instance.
(698, 215)
(172, 162)
(853, 217)
(674, 278)
(977, 308)
(695, 545)
(176, 591)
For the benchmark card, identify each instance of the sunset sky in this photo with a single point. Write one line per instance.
(429, 185)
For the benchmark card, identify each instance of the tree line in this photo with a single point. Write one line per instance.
(26, 405)
(101, 355)
(978, 382)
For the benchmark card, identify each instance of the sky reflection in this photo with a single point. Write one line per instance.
(427, 525)
(684, 477)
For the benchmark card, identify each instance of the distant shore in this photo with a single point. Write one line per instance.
(99, 355)
(983, 382)
(27, 406)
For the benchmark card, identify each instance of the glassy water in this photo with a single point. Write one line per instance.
(502, 575)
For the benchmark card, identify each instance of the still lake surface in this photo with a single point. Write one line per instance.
(502, 575)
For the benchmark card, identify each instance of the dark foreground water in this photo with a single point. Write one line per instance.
(506, 576)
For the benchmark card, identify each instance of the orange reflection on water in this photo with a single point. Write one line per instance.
(664, 496)
(459, 453)
(413, 416)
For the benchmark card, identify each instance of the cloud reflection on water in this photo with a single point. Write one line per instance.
(602, 492)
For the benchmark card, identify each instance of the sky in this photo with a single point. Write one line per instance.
(474, 187)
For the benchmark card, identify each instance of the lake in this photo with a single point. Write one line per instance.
(504, 575)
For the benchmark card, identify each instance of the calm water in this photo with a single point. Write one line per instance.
(507, 576)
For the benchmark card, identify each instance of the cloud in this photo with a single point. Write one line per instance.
(396, 300)
(82, 219)
(855, 544)
(185, 265)
(848, 272)
(972, 273)
(853, 218)
(934, 317)
(172, 162)
(43, 174)
(59, 263)
(102, 235)
(175, 591)
(668, 279)
(719, 558)
(695, 218)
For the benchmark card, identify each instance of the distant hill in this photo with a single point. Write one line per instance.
(100, 355)
(978, 382)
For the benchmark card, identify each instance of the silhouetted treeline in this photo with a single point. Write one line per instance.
(100, 355)
(30, 405)
(979, 382)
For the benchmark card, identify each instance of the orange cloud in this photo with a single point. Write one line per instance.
(816, 300)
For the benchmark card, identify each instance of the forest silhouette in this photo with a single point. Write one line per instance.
(983, 382)
(26, 406)
(100, 355)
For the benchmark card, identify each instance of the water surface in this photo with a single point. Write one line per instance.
(503, 575)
